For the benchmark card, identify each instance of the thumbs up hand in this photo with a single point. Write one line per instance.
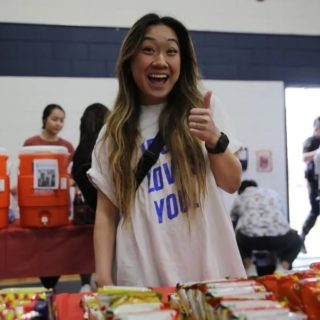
(201, 122)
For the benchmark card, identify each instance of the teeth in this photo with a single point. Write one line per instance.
(159, 76)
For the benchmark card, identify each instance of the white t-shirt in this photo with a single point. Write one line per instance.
(161, 246)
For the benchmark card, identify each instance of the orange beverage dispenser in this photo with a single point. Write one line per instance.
(4, 189)
(43, 186)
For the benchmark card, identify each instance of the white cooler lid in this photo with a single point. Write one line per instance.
(4, 151)
(43, 149)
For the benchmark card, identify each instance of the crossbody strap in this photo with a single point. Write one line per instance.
(149, 158)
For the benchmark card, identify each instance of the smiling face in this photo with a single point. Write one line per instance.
(156, 65)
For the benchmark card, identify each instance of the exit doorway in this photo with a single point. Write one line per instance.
(302, 107)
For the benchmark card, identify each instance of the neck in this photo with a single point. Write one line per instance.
(47, 136)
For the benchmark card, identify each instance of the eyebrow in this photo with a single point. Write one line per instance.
(154, 39)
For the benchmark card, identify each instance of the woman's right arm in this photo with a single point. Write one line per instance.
(104, 239)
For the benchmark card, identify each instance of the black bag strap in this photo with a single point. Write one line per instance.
(149, 158)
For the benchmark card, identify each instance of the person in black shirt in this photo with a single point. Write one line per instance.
(92, 121)
(310, 147)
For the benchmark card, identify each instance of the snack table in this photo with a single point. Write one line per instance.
(35, 252)
(67, 305)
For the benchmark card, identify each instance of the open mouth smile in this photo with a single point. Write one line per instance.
(158, 78)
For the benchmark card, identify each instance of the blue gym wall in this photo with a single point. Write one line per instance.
(67, 51)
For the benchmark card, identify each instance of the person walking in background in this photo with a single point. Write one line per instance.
(173, 226)
(53, 117)
(261, 224)
(91, 122)
(316, 160)
(310, 148)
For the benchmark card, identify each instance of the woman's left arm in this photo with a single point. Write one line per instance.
(225, 166)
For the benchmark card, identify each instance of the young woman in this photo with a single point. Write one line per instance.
(174, 227)
(52, 123)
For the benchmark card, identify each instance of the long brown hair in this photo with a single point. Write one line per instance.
(123, 134)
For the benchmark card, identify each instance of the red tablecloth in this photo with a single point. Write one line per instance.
(67, 305)
(26, 252)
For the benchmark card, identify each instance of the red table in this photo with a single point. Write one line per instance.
(26, 252)
(67, 306)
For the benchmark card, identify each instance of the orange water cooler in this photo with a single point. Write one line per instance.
(43, 186)
(4, 189)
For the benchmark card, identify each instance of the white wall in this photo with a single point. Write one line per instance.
(268, 16)
(255, 110)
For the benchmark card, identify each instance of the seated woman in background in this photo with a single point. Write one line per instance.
(92, 120)
(261, 224)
